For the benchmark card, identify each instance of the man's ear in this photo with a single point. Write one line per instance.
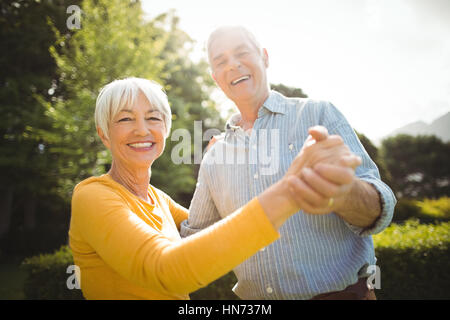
(213, 76)
(265, 57)
(103, 138)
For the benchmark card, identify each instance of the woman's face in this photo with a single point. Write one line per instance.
(136, 134)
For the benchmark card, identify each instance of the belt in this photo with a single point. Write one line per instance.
(357, 291)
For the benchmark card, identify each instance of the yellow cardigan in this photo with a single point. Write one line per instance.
(128, 249)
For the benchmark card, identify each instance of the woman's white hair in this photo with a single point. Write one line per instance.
(117, 95)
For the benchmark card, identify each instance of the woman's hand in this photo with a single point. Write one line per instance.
(322, 174)
(302, 188)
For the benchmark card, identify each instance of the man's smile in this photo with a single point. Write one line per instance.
(240, 79)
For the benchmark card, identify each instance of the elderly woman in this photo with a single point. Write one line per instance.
(124, 232)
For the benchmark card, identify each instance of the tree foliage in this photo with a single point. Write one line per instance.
(27, 70)
(418, 165)
(116, 42)
(374, 154)
(50, 79)
(289, 91)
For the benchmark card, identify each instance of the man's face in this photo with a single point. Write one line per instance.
(238, 68)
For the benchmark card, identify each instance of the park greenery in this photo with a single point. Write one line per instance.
(50, 77)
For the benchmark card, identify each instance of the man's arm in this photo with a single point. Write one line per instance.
(358, 203)
(363, 201)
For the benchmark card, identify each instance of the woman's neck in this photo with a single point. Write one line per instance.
(135, 180)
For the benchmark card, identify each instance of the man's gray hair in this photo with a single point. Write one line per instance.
(226, 29)
(117, 95)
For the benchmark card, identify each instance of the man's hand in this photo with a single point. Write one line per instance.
(322, 172)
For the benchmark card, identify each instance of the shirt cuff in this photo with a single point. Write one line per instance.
(387, 203)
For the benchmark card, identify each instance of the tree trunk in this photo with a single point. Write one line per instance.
(6, 197)
(29, 217)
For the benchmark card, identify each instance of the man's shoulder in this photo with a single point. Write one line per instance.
(296, 104)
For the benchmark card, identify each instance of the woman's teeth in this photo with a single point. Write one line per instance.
(141, 145)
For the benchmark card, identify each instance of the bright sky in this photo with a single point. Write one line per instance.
(383, 63)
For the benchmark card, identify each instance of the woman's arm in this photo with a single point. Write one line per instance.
(144, 256)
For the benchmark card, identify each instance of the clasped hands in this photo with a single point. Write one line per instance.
(322, 174)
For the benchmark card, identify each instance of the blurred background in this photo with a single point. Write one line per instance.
(384, 64)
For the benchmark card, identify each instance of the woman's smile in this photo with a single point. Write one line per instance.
(143, 146)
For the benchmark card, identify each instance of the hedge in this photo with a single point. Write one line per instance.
(47, 276)
(427, 210)
(413, 258)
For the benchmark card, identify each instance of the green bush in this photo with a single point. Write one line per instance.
(435, 209)
(47, 276)
(22, 242)
(221, 289)
(427, 210)
(46, 279)
(414, 259)
(405, 209)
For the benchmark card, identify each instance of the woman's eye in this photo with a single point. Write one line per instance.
(124, 119)
(154, 119)
(242, 53)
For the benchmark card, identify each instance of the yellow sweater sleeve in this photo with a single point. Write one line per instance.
(144, 256)
(178, 212)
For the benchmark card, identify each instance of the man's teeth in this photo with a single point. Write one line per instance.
(240, 79)
(141, 145)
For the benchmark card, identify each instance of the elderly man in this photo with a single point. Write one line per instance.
(325, 252)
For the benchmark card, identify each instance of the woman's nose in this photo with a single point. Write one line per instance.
(141, 128)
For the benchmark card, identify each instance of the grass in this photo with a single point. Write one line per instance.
(11, 281)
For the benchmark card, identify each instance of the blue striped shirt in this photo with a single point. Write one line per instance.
(315, 253)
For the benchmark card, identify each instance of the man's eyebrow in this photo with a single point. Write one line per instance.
(218, 57)
(239, 47)
(242, 46)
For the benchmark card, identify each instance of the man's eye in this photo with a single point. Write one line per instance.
(242, 53)
(154, 119)
(221, 63)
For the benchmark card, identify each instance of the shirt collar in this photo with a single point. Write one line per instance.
(275, 103)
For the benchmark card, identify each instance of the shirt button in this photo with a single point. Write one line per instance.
(291, 146)
(269, 290)
(256, 176)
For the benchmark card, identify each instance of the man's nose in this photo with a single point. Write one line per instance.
(234, 63)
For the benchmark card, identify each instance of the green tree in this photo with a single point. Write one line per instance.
(115, 42)
(27, 70)
(189, 87)
(288, 91)
(418, 165)
(374, 154)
